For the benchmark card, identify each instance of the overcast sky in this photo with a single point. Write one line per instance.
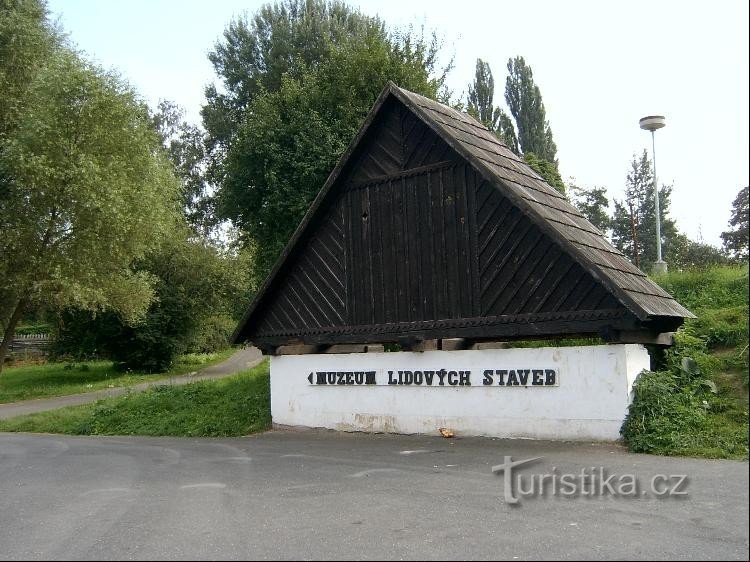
(600, 65)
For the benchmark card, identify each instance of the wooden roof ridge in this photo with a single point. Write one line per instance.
(498, 165)
(643, 297)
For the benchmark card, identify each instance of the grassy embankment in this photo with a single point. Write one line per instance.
(697, 404)
(58, 379)
(237, 405)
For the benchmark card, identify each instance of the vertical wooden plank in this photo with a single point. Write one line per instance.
(424, 240)
(464, 278)
(369, 255)
(377, 215)
(439, 221)
(346, 214)
(390, 291)
(401, 261)
(360, 273)
(431, 246)
(408, 257)
(451, 238)
(471, 192)
(415, 278)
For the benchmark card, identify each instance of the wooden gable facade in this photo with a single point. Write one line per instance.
(431, 228)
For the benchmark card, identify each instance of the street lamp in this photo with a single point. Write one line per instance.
(651, 123)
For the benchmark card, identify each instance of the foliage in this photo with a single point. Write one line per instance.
(688, 254)
(480, 105)
(235, 406)
(547, 170)
(26, 42)
(185, 146)
(36, 328)
(84, 186)
(199, 294)
(480, 98)
(708, 289)
(525, 103)
(634, 220)
(696, 404)
(680, 410)
(737, 239)
(63, 378)
(282, 40)
(289, 128)
(593, 204)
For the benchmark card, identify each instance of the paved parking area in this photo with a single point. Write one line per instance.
(320, 494)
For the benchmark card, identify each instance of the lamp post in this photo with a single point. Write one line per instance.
(652, 123)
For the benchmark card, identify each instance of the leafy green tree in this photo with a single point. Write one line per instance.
(26, 41)
(86, 189)
(281, 40)
(634, 220)
(185, 146)
(736, 240)
(293, 128)
(689, 254)
(480, 98)
(480, 105)
(200, 295)
(525, 103)
(593, 204)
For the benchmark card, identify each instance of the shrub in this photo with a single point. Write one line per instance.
(696, 403)
(212, 334)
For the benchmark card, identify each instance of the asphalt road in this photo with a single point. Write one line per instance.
(314, 495)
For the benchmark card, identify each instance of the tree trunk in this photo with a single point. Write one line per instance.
(634, 236)
(10, 330)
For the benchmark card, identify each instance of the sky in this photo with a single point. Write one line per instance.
(600, 66)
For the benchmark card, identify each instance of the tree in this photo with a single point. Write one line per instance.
(686, 253)
(26, 41)
(593, 204)
(185, 146)
(86, 190)
(525, 103)
(281, 40)
(200, 294)
(736, 239)
(480, 98)
(546, 169)
(480, 105)
(293, 128)
(634, 220)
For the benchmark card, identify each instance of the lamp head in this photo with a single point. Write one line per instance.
(652, 122)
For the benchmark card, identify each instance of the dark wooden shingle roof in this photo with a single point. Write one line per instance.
(430, 227)
(475, 142)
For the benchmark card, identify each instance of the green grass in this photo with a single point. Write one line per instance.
(38, 328)
(700, 411)
(709, 288)
(59, 379)
(237, 405)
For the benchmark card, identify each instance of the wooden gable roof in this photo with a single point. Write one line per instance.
(430, 227)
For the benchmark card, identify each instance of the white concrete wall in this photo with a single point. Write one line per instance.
(590, 400)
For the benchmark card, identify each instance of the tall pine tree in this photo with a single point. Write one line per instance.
(525, 103)
(634, 220)
(736, 239)
(480, 102)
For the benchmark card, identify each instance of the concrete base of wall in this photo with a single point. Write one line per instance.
(578, 393)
